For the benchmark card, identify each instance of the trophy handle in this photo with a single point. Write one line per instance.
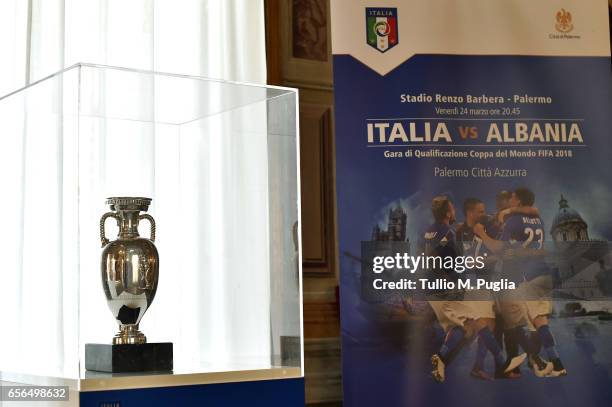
(151, 221)
(107, 215)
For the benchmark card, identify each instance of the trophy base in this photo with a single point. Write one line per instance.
(146, 357)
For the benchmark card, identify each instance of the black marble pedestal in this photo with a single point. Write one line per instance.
(147, 357)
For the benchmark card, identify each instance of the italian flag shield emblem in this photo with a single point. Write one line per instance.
(381, 28)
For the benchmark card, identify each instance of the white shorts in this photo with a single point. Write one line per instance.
(537, 293)
(455, 313)
(513, 312)
(530, 300)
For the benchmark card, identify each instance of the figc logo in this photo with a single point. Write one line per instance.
(381, 28)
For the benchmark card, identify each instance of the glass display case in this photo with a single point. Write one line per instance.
(219, 161)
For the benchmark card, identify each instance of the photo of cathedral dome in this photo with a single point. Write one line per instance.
(582, 263)
(568, 225)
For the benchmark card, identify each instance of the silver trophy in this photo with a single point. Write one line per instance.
(130, 267)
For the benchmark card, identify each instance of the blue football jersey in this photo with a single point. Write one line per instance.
(440, 240)
(469, 242)
(527, 232)
(472, 245)
(492, 227)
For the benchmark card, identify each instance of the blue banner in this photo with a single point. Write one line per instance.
(474, 183)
